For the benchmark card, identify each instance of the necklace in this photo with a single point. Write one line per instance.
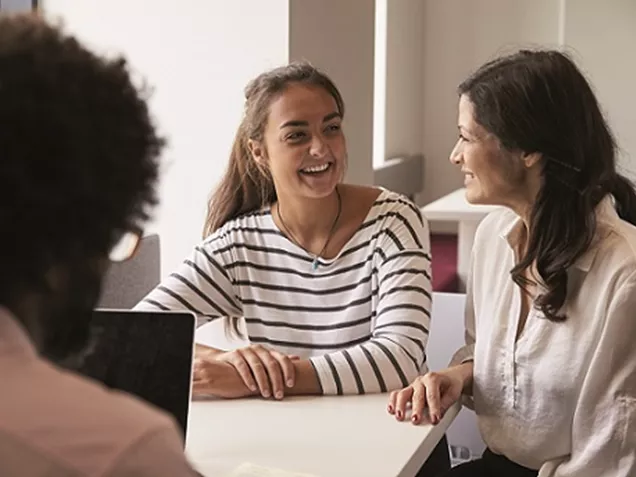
(315, 262)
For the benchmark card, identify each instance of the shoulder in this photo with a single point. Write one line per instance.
(396, 221)
(394, 207)
(613, 252)
(247, 228)
(88, 427)
(497, 223)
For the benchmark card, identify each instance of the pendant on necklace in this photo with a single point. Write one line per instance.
(314, 264)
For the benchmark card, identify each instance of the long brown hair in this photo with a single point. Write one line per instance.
(246, 186)
(538, 101)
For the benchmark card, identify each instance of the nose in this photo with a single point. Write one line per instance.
(318, 147)
(456, 154)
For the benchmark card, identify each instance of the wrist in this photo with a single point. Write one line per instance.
(306, 381)
(464, 372)
(206, 352)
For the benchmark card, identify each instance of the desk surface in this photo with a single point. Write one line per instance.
(454, 207)
(324, 436)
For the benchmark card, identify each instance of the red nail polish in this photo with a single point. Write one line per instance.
(399, 414)
(390, 409)
(414, 418)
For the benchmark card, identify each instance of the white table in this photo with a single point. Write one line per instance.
(324, 436)
(455, 208)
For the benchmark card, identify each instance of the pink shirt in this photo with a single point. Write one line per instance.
(56, 423)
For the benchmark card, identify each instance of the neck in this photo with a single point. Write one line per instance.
(26, 310)
(523, 202)
(308, 218)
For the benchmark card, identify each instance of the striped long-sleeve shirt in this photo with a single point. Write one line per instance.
(362, 318)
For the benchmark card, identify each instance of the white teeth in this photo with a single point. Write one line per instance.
(315, 169)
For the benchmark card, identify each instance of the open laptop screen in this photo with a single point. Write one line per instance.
(148, 354)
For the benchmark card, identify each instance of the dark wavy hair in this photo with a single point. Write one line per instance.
(78, 152)
(246, 186)
(539, 102)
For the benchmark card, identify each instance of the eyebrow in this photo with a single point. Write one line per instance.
(328, 117)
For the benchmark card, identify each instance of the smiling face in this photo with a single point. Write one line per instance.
(303, 144)
(492, 175)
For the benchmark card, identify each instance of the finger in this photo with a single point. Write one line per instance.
(274, 371)
(242, 366)
(418, 402)
(432, 383)
(289, 371)
(258, 370)
(403, 398)
(293, 357)
(392, 400)
(200, 388)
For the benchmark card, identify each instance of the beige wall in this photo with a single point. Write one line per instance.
(602, 37)
(461, 35)
(337, 36)
(458, 37)
(404, 111)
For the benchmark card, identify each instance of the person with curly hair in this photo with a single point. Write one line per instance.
(78, 167)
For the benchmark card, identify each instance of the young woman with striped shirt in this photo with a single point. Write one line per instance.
(331, 280)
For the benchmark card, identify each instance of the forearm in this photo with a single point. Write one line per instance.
(306, 379)
(223, 380)
(201, 350)
(465, 372)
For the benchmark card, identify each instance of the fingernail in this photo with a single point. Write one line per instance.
(253, 388)
(279, 395)
(266, 394)
(290, 383)
(415, 418)
(399, 414)
(390, 409)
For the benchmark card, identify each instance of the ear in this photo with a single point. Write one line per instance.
(257, 150)
(532, 159)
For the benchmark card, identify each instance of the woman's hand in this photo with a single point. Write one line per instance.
(261, 369)
(437, 390)
(218, 379)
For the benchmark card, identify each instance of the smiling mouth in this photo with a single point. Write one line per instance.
(317, 169)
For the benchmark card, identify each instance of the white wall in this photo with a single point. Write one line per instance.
(198, 55)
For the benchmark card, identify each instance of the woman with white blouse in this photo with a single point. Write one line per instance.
(550, 358)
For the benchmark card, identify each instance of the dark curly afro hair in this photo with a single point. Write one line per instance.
(78, 151)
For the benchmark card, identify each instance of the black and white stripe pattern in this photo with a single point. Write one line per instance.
(361, 318)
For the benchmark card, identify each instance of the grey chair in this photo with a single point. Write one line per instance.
(446, 336)
(126, 283)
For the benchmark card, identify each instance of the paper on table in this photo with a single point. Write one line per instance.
(251, 470)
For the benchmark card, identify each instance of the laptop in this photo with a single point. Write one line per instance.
(146, 353)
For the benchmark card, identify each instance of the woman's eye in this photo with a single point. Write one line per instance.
(296, 136)
(334, 127)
